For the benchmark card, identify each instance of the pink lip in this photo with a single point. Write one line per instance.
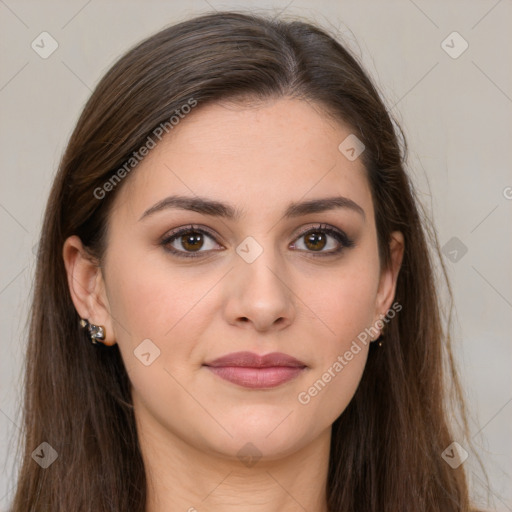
(253, 371)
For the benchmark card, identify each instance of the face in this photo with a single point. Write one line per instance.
(183, 285)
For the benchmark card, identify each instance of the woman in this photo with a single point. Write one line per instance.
(235, 304)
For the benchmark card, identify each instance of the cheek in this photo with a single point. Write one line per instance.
(151, 297)
(346, 307)
(158, 317)
(331, 388)
(340, 357)
(152, 301)
(345, 304)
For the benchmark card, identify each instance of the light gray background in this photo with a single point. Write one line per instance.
(456, 114)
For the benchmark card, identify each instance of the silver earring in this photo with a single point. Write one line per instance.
(96, 332)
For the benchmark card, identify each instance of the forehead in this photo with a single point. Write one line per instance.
(255, 156)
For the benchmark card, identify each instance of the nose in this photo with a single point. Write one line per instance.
(260, 295)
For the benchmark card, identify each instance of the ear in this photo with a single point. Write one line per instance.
(87, 287)
(389, 276)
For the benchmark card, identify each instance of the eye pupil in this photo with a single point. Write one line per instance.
(314, 239)
(189, 241)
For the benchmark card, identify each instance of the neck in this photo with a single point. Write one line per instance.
(182, 478)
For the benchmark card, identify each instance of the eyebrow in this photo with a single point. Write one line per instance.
(227, 211)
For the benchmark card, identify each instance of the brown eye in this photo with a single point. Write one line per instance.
(315, 241)
(324, 237)
(192, 241)
(189, 242)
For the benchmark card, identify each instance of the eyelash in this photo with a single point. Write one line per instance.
(344, 241)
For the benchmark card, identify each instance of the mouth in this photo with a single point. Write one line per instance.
(251, 370)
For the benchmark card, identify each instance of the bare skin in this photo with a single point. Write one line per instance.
(210, 444)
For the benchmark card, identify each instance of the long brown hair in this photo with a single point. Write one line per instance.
(387, 445)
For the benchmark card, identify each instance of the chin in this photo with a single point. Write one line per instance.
(270, 435)
(250, 449)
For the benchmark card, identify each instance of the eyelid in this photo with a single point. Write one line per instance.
(337, 233)
(190, 228)
(174, 233)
